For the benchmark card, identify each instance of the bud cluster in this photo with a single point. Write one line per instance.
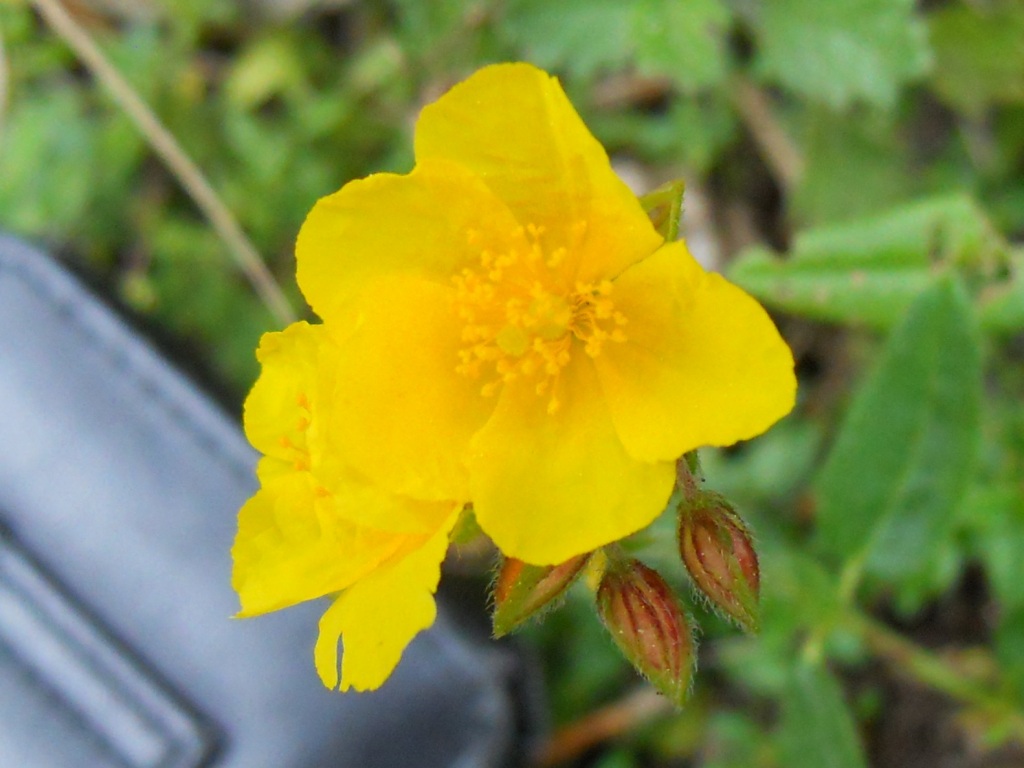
(638, 607)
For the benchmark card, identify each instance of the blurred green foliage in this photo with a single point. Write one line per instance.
(863, 163)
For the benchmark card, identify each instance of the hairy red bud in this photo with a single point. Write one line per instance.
(648, 625)
(522, 590)
(718, 551)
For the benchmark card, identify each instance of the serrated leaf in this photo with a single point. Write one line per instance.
(979, 54)
(841, 51)
(868, 271)
(581, 37)
(904, 454)
(817, 729)
(683, 41)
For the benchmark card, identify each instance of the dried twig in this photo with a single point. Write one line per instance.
(4, 84)
(778, 150)
(174, 157)
(610, 721)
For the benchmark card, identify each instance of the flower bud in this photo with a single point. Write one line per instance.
(522, 590)
(718, 551)
(649, 626)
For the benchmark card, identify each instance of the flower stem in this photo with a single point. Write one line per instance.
(908, 658)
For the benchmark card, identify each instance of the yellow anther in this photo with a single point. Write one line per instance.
(522, 317)
(556, 258)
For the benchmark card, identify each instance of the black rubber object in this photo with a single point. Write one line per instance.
(119, 485)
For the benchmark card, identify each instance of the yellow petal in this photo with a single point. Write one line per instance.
(288, 549)
(513, 126)
(380, 615)
(289, 375)
(546, 487)
(703, 363)
(405, 415)
(428, 223)
(291, 414)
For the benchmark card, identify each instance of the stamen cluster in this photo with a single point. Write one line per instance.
(522, 314)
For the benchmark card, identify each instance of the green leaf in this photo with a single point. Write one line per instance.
(868, 271)
(979, 54)
(48, 174)
(905, 451)
(1002, 305)
(773, 467)
(996, 511)
(664, 207)
(856, 165)
(693, 133)
(731, 740)
(432, 33)
(582, 37)
(684, 41)
(817, 729)
(798, 595)
(841, 51)
(1009, 648)
(266, 67)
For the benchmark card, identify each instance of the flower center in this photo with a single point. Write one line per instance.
(523, 316)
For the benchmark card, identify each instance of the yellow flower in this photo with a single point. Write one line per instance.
(517, 334)
(504, 327)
